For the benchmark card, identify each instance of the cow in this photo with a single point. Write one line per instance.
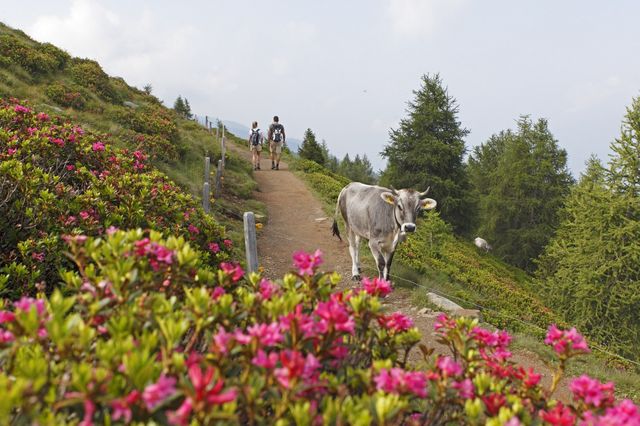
(381, 215)
(482, 244)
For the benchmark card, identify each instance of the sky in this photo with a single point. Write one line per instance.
(346, 69)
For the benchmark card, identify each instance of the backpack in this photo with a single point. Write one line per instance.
(255, 137)
(277, 133)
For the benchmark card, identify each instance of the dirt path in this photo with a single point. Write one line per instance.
(296, 221)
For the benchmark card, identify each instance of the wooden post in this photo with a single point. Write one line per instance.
(218, 187)
(205, 198)
(250, 244)
(223, 148)
(206, 121)
(207, 171)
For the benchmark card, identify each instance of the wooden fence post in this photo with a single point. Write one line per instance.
(251, 246)
(207, 170)
(223, 147)
(218, 187)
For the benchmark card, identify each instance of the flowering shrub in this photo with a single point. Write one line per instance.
(89, 74)
(55, 178)
(65, 96)
(148, 333)
(34, 57)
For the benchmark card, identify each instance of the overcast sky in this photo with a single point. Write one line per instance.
(346, 69)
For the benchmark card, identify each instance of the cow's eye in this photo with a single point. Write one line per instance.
(400, 207)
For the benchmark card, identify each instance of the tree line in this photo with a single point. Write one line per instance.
(580, 239)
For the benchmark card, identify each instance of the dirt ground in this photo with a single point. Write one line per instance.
(296, 221)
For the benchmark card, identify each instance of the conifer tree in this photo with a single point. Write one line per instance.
(590, 271)
(427, 150)
(520, 180)
(310, 149)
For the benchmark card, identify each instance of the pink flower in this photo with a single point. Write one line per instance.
(57, 141)
(399, 381)
(591, 391)
(98, 146)
(6, 336)
(243, 339)
(11, 151)
(214, 248)
(396, 322)
(193, 229)
(465, 388)
(233, 270)
(27, 303)
(265, 361)
(208, 390)
(111, 230)
(221, 340)
(448, 366)
(624, 414)
(268, 335)
(156, 393)
(38, 256)
(227, 243)
(181, 416)
(334, 314)
(32, 130)
(122, 407)
(267, 289)
(217, 293)
(41, 116)
(443, 324)
(22, 109)
(566, 342)
(304, 322)
(70, 167)
(311, 367)
(6, 316)
(558, 416)
(376, 287)
(292, 368)
(307, 263)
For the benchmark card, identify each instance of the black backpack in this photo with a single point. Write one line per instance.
(277, 133)
(255, 137)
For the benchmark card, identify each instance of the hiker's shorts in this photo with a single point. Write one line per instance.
(256, 148)
(275, 147)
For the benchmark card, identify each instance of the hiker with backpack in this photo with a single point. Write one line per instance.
(255, 144)
(277, 139)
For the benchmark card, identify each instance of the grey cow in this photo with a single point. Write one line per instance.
(382, 216)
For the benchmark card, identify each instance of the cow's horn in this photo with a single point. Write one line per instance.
(393, 191)
(424, 194)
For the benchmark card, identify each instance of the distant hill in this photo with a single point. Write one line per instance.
(241, 131)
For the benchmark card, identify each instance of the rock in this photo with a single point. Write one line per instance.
(130, 104)
(321, 219)
(443, 302)
(423, 311)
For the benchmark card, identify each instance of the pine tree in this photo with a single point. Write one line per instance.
(182, 108)
(590, 271)
(427, 150)
(187, 110)
(310, 149)
(520, 181)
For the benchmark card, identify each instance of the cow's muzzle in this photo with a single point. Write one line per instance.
(408, 227)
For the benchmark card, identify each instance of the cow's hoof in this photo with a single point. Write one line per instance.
(359, 270)
(355, 278)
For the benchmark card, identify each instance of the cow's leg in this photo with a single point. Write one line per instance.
(378, 257)
(357, 259)
(387, 266)
(353, 251)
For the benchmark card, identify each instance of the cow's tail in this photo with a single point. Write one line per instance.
(334, 228)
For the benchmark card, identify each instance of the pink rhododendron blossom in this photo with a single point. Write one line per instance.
(265, 360)
(558, 416)
(267, 289)
(6, 336)
(591, 391)
(233, 270)
(242, 338)
(626, 413)
(156, 393)
(111, 230)
(565, 341)
(98, 146)
(181, 416)
(121, 408)
(25, 304)
(465, 388)
(57, 141)
(339, 350)
(217, 293)
(11, 151)
(6, 316)
(493, 402)
(38, 256)
(41, 116)
(32, 130)
(399, 381)
(70, 167)
(448, 366)
(214, 248)
(397, 322)
(335, 315)
(266, 334)
(443, 324)
(311, 368)
(156, 253)
(227, 243)
(309, 327)
(22, 109)
(376, 287)
(307, 263)
(292, 368)
(207, 389)
(193, 229)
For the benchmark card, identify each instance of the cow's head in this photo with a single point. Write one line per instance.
(407, 204)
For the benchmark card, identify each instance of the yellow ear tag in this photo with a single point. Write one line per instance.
(428, 204)
(389, 199)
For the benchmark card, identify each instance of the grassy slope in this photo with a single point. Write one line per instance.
(187, 141)
(434, 259)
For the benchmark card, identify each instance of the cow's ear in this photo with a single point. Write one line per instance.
(388, 198)
(428, 204)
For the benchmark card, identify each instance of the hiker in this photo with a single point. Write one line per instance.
(255, 144)
(277, 139)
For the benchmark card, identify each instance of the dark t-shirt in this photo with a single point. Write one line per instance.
(272, 129)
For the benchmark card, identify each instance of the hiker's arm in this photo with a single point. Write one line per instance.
(284, 137)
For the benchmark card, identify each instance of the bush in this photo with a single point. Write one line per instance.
(56, 178)
(148, 333)
(89, 74)
(65, 96)
(41, 59)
